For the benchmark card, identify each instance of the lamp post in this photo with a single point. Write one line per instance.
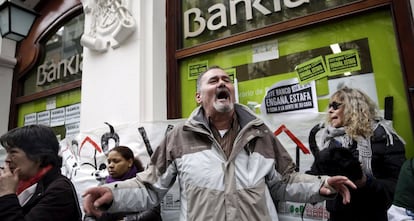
(15, 20)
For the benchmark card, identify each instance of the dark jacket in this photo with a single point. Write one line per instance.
(152, 214)
(54, 199)
(404, 193)
(372, 201)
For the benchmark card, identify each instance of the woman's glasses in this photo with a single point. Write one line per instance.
(335, 105)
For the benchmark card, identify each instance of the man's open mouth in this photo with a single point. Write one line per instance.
(222, 94)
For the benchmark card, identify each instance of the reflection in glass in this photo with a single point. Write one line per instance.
(62, 59)
(245, 18)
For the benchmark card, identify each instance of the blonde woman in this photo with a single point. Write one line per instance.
(354, 124)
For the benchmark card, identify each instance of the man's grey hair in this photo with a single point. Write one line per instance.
(202, 74)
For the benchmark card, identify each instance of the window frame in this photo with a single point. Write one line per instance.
(30, 50)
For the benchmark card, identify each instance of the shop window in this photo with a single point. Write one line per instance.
(62, 60)
(59, 65)
(207, 20)
(369, 39)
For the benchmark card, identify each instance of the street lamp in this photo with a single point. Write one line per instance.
(15, 20)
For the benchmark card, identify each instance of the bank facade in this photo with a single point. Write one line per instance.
(88, 62)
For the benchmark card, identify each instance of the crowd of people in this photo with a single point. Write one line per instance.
(229, 166)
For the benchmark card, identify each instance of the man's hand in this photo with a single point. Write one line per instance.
(94, 198)
(338, 184)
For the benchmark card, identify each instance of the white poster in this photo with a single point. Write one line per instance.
(72, 129)
(43, 118)
(72, 114)
(363, 82)
(30, 119)
(57, 117)
(289, 96)
(83, 157)
(265, 51)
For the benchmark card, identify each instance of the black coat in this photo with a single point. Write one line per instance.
(369, 203)
(54, 199)
(152, 214)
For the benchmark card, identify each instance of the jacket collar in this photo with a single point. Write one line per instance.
(244, 115)
(43, 184)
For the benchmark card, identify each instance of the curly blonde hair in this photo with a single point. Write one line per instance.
(359, 111)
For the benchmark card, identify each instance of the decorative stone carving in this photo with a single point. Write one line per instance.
(108, 23)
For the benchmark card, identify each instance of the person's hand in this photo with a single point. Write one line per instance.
(8, 180)
(94, 198)
(339, 184)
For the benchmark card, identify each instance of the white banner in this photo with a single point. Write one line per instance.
(84, 159)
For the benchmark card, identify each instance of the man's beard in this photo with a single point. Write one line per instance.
(223, 108)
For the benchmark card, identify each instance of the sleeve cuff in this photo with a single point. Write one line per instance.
(326, 185)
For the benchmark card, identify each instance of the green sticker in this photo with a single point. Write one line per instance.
(232, 73)
(347, 61)
(311, 70)
(194, 69)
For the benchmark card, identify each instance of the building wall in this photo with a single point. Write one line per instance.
(125, 84)
(7, 62)
(128, 84)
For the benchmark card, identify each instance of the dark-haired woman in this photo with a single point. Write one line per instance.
(31, 184)
(123, 165)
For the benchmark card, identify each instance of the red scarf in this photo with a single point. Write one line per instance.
(24, 184)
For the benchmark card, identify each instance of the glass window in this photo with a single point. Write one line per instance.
(260, 65)
(62, 59)
(207, 20)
